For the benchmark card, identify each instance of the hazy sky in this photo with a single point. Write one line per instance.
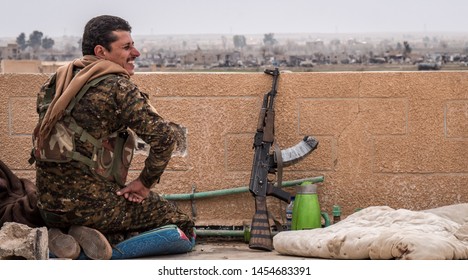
(67, 17)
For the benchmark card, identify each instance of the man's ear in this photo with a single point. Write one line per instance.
(100, 51)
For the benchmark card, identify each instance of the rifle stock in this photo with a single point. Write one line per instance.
(260, 232)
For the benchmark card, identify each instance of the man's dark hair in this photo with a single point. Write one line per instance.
(98, 31)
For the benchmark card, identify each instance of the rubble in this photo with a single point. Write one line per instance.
(19, 241)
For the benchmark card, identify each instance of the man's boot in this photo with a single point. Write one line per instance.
(62, 245)
(93, 243)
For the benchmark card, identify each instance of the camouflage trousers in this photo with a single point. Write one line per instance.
(92, 201)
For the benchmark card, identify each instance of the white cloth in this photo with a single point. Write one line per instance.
(380, 232)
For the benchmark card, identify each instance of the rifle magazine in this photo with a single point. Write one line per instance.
(298, 152)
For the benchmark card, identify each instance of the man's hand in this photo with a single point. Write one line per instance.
(135, 191)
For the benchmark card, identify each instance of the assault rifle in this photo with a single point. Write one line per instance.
(266, 162)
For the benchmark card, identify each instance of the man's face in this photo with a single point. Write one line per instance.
(123, 51)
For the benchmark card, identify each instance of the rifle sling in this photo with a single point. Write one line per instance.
(279, 226)
(279, 165)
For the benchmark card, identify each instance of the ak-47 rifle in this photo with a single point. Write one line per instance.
(266, 162)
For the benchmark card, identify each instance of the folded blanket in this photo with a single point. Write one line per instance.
(381, 232)
(18, 199)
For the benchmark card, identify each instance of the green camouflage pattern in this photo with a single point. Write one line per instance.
(58, 145)
(72, 193)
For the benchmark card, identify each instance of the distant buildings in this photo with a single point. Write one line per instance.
(299, 51)
(10, 51)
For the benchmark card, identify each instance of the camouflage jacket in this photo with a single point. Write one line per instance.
(115, 103)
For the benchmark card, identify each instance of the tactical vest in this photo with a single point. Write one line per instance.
(111, 155)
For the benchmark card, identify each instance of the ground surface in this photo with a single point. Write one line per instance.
(225, 250)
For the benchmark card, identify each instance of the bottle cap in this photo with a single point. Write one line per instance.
(336, 210)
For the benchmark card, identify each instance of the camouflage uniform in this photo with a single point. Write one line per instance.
(70, 193)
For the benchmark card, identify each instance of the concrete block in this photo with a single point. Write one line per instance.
(19, 241)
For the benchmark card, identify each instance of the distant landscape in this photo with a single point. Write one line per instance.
(295, 52)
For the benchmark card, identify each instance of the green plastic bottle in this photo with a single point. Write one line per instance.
(306, 211)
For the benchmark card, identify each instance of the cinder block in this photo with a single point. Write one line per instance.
(19, 241)
(456, 119)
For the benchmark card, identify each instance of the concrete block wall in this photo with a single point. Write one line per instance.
(386, 138)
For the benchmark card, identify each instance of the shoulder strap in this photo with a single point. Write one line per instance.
(50, 91)
(83, 90)
(84, 135)
(48, 96)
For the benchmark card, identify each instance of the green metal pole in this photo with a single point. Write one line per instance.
(190, 196)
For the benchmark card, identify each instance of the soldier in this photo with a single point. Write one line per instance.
(83, 146)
